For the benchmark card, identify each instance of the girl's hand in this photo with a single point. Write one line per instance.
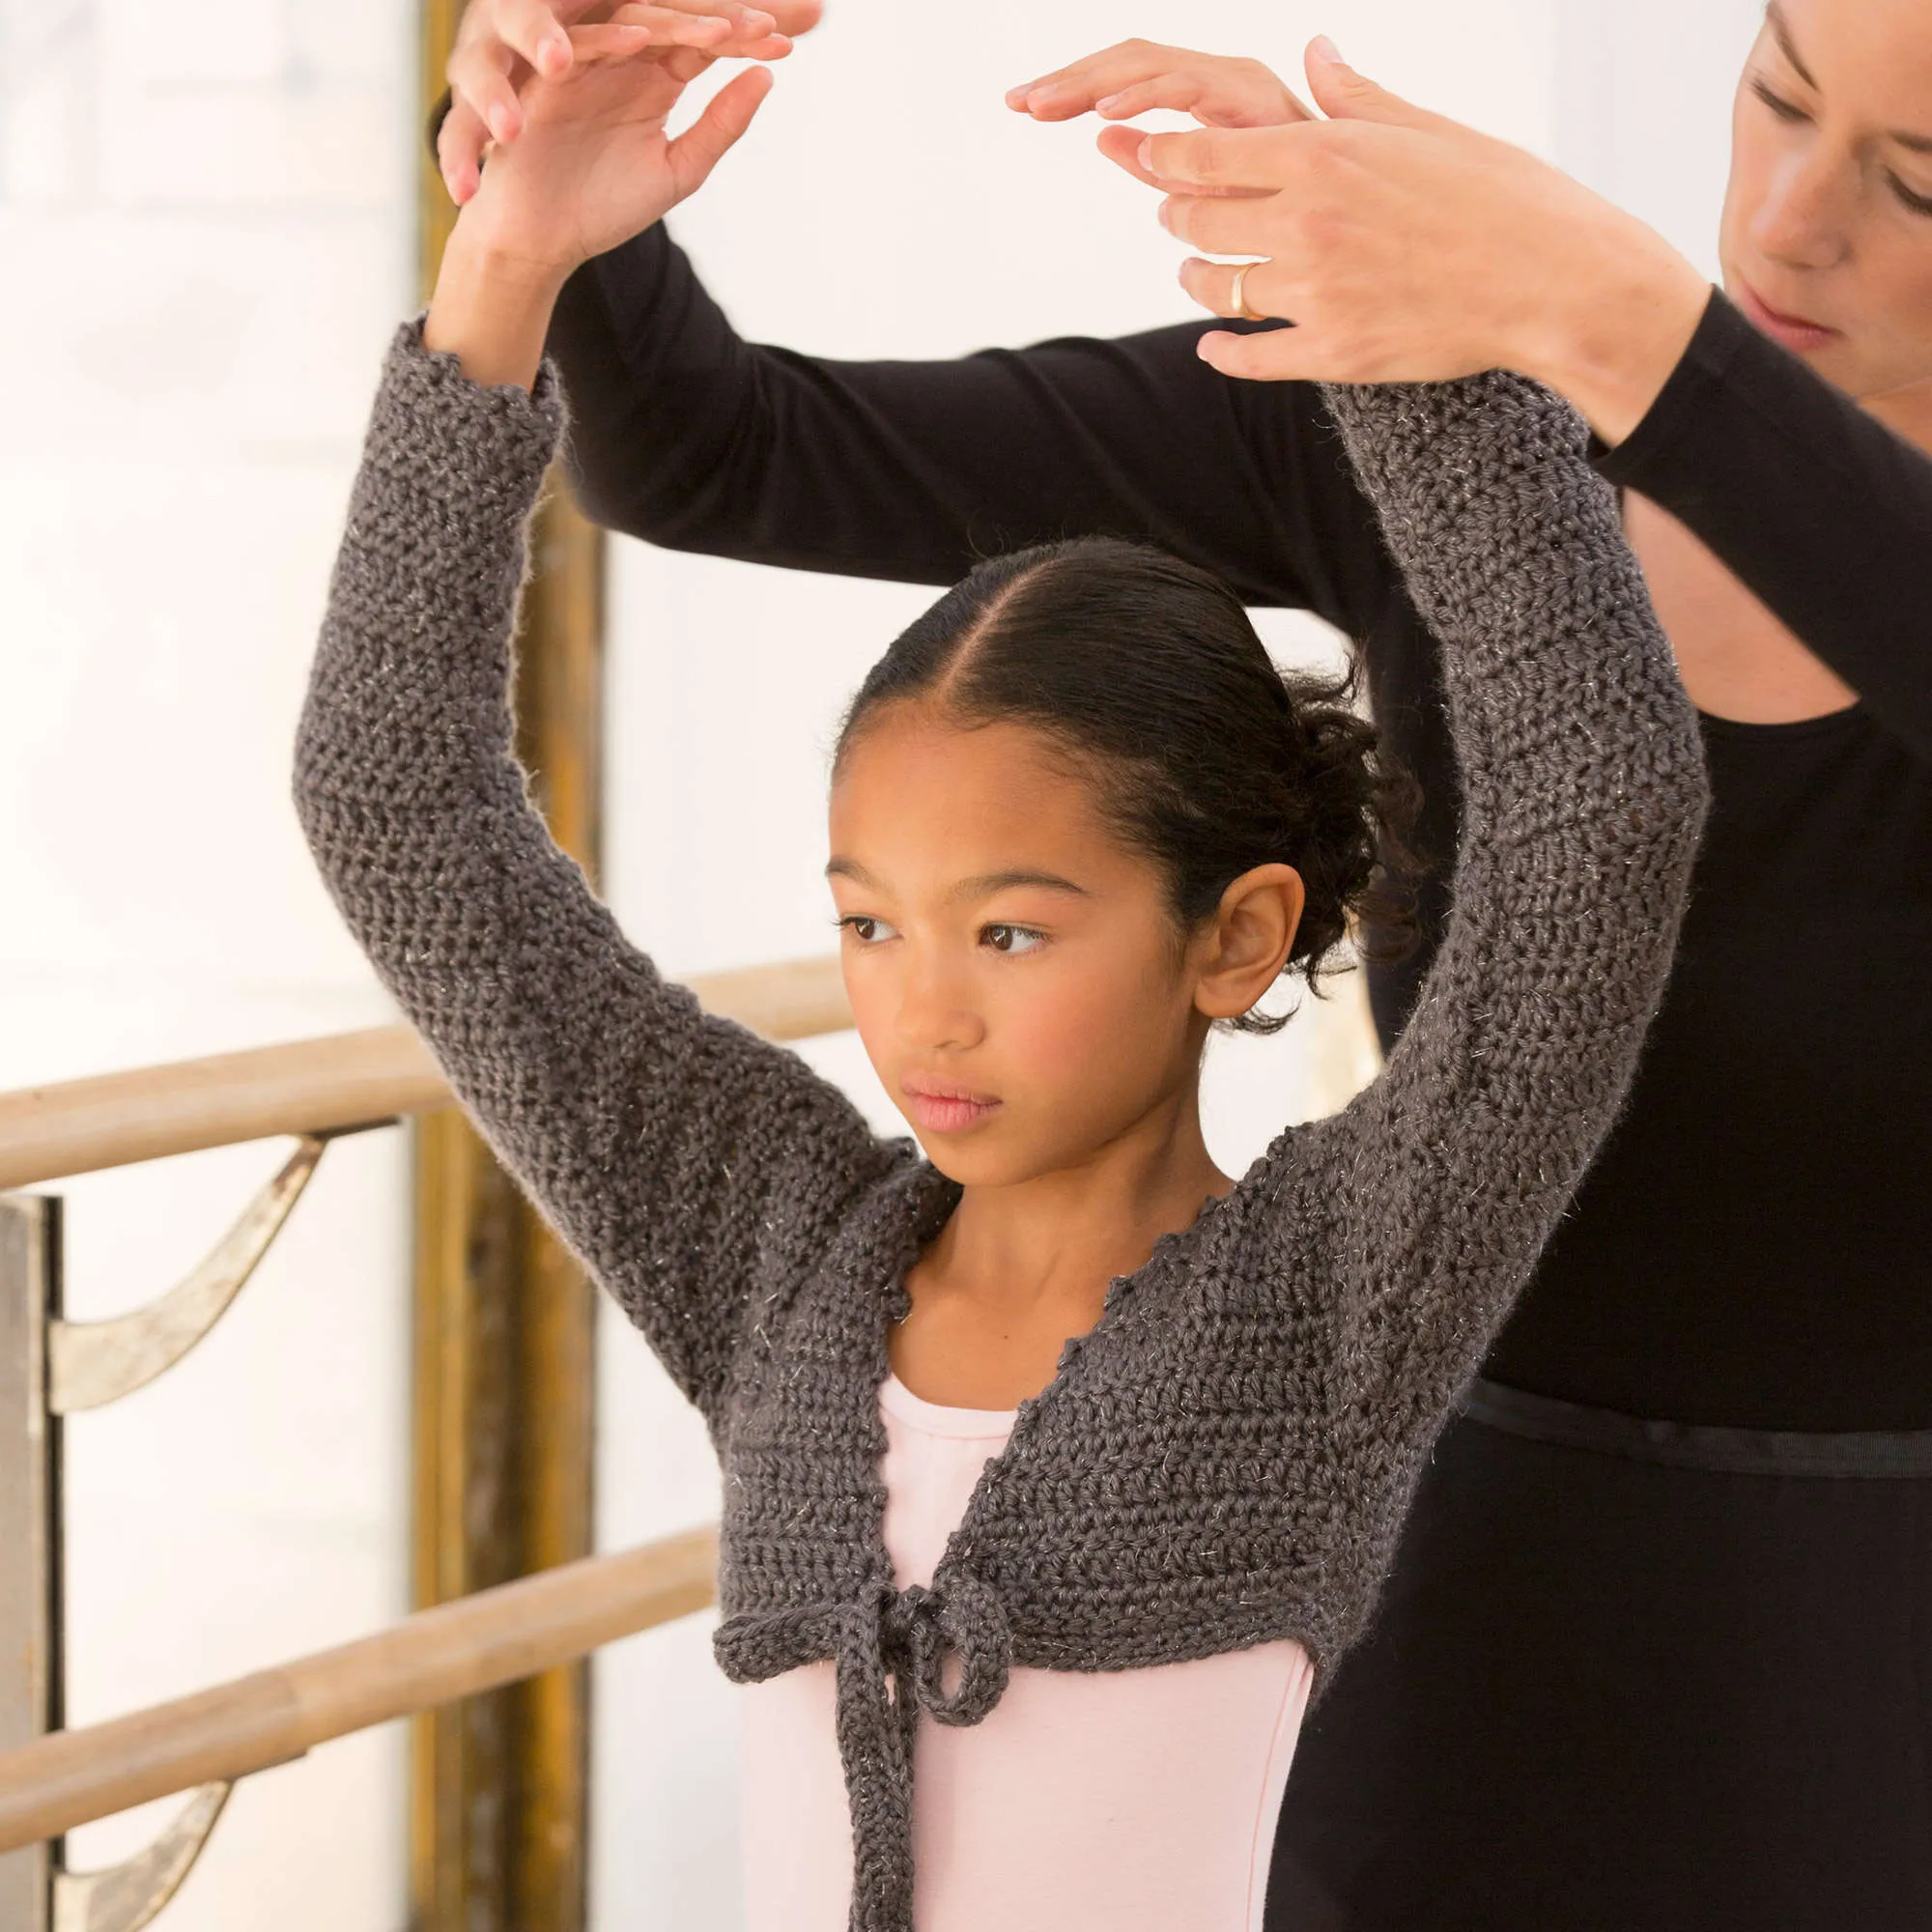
(1137, 77)
(1407, 247)
(503, 45)
(593, 166)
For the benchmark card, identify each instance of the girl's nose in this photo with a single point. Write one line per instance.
(933, 1017)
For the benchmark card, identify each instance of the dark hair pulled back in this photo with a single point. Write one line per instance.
(1206, 755)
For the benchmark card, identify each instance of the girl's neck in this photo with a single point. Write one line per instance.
(1103, 1216)
(1020, 1269)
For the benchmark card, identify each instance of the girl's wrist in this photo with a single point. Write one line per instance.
(492, 309)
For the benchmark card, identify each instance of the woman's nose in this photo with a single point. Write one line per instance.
(1805, 219)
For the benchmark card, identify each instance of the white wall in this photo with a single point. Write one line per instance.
(1646, 87)
(206, 232)
(205, 237)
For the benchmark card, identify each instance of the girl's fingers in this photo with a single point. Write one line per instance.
(698, 22)
(458, 151)
(608, 41)
(718, 27)
(685, 64)
(478, 80)
(527, 27)
(702, 145)
(796, 16)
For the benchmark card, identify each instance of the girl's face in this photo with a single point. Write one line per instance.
(1827, 237)
(1014, 970)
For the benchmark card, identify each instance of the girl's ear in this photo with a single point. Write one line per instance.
(1241, 950)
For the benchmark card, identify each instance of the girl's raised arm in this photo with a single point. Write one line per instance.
(692, 1166)
(1583, 802)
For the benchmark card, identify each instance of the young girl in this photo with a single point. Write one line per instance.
(1038, 1427)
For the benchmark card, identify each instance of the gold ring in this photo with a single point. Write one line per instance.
(1238, 296)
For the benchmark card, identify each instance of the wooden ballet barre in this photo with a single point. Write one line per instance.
(477, 1643)
(323, 1086)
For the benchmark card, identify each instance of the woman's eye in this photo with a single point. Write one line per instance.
(1012, 938)
(866, 929)
(1919, 204)
(1785, 110)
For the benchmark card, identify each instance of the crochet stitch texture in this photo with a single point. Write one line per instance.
(1226, 1459)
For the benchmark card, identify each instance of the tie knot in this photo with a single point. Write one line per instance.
(960, 1621)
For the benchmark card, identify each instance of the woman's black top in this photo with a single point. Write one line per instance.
(1754, 1245)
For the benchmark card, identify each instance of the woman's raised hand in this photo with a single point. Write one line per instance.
(1137, 77)
(1403, 245)
(503, 45)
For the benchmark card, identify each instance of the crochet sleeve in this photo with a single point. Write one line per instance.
(686, 1162)
(1585, 797)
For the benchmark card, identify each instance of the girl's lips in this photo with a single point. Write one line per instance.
(1793, 331)
(942, 1109)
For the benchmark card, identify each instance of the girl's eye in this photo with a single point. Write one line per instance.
(866, 929)
(1012, 938)
(1919, 204)
(1784, 109)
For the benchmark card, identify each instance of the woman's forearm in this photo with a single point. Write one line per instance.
(1606, 321)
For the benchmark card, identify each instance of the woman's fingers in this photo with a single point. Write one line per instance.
(1273, 355)
(1139, 76)
(1074, 90)
(1181, 91)
(1231, 289)
(1209, 96)
(1214, 159)
(1123, 146)
(1229, 223)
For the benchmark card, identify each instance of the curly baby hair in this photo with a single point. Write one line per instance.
(1206, 757)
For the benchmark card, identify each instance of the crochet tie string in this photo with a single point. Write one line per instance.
(946, 1651)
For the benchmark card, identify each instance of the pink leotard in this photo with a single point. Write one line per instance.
(1133, 1801)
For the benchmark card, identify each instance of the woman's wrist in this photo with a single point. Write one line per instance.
(1616, 326)
(492, 309)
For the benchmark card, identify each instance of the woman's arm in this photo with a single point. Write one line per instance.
(1813, 503)
(690, 1164)
(1410, 248)
(686, 435)
(1583, 802)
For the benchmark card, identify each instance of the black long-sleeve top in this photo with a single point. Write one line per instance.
(1752, 1246)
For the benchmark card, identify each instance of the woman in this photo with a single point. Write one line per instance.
(1656, 1648)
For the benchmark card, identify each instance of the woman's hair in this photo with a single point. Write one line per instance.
(1205, 756)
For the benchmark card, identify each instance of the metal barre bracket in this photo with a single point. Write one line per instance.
(93, 1363)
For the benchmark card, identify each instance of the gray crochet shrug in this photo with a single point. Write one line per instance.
(1226, 1458)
